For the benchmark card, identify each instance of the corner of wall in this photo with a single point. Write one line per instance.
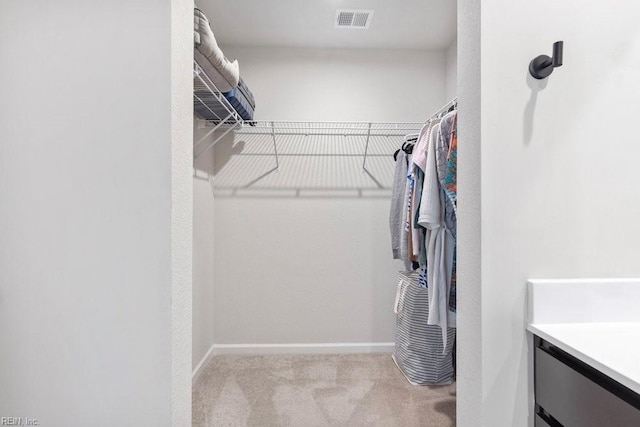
(181, 209)
(451, 69)
(204, 243)
(469, 338)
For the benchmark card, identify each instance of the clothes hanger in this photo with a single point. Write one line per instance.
(407, 147)
(411, 137)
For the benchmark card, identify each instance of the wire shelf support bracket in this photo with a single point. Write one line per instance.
(275, 146)
(366, 149)
(212, 106)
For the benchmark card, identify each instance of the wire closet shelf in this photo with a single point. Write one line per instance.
(287, 139)
(313, 154)
(209, 101)
(221, 118)
(301, 128)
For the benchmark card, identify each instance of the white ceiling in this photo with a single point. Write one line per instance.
(397, 24)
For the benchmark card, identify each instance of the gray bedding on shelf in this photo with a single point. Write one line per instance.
(223, 73)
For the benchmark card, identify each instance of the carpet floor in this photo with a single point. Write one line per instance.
(316, 390)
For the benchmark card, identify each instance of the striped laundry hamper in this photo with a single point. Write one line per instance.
(419, 352)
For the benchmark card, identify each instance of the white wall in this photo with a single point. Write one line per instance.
(469, 403)
(299, 270)
(94, 213)
(181, 84)
(342, 84)
(451, 62)
(203, 253)
(559, 175)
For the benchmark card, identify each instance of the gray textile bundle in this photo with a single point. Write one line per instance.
(228, 72)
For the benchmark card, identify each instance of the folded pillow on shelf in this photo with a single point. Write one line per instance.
(223, 73)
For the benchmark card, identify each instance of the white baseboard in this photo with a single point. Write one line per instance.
(294, 348)
(319, 348)
(198, 369)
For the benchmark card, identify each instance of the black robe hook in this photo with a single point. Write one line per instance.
(542, 66)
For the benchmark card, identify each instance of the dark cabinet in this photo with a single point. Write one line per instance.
(569, 393)
(540, 422)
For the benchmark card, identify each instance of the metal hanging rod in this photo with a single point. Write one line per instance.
(298, 123)
(453, 103)
(276, 132)
(328, 128)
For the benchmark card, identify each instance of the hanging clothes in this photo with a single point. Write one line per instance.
(440, 242)
(427, 223)
(408, 216)
(420, 150)
(419, 160)
(447, 175)
(450, 180)
(442, 154)
(423, 208)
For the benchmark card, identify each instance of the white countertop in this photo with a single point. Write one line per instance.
(611, 348)
(595, 320)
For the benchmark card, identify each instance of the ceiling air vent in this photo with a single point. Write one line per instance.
(354, 19)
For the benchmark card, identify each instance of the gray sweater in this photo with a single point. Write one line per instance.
(398, 192)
